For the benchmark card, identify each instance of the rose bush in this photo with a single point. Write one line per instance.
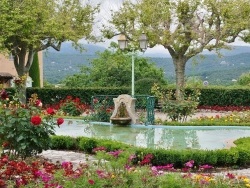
(25, 129)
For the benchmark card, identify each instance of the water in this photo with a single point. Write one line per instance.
(155, 136)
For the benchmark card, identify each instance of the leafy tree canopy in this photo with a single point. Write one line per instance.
(113, 69)
(29, 26)
(184, 27)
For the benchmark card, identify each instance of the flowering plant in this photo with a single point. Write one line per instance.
(25, 129)
(72, 106)
(101, 110)
(177, 110)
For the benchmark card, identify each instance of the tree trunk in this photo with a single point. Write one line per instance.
(23, 62)
(179, 64)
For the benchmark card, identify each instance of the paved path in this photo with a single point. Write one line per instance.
(77, 158)
(163, 117)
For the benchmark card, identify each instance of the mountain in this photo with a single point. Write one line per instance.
(210, 67)
(67, 48)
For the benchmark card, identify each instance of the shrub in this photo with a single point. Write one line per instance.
(244, 79)
(25, 130)
(87, 144)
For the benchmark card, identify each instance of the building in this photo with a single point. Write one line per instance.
(8, 71)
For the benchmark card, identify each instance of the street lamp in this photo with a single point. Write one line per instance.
(123, 43)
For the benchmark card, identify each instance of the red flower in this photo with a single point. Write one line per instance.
(5, 144)
(91, 182)
(2, 183)
(230, 176)
(36, 120)
(60, 121)
(4, 94)
(50, 111)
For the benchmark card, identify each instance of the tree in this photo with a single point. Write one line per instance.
(29, 26)
(184, 27)
(113, 69)
(34, 72)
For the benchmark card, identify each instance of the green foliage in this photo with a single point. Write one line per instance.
(225, 97)
(184, 41)
(55, 95)
(244, 79)
(144, 85)
(32, 26)
(218, 158)
(34, 72)
(208, 68)
(210, 96)
(87, 144)
(23, 130)
(194, 82)
(177, 110)
(113, 69)
(64, 143)
(102, 110)
(70, 109)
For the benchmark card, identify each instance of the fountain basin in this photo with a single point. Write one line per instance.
(121, 121)
(157, 136)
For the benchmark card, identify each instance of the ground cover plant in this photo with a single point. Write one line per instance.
(121, 169)
(118, 171)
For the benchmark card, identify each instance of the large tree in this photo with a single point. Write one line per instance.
(112, 68)
(184, 27)
(29, 26)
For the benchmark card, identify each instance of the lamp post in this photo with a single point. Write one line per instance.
(123, 43)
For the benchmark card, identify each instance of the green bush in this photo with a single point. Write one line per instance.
(64, 143)
(244, 79)
(143, 86)
(87, 144)
(239, 155)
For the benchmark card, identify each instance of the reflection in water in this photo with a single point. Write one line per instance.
(168, 137)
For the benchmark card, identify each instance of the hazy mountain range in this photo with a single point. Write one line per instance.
(223, 70)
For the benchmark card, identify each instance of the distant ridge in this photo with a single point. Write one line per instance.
(216, 70)
(67, 48)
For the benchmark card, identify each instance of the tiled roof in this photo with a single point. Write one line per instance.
(6, 75)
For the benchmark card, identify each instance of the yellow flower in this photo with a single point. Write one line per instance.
(246, 180)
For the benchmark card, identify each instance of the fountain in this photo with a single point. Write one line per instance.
(124, 112)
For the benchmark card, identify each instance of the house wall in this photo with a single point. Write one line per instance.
(7, 65)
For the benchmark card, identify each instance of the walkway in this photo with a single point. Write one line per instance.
(77, 158)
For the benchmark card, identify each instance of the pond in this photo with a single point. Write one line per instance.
(156, 136)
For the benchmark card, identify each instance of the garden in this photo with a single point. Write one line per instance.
(27, 130)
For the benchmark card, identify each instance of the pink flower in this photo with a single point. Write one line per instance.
(115, 153)
(59, 121)
(50, 111)
(38, 103)
(36, 120)
(165, 167)
(206, 166)
(189, 164)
